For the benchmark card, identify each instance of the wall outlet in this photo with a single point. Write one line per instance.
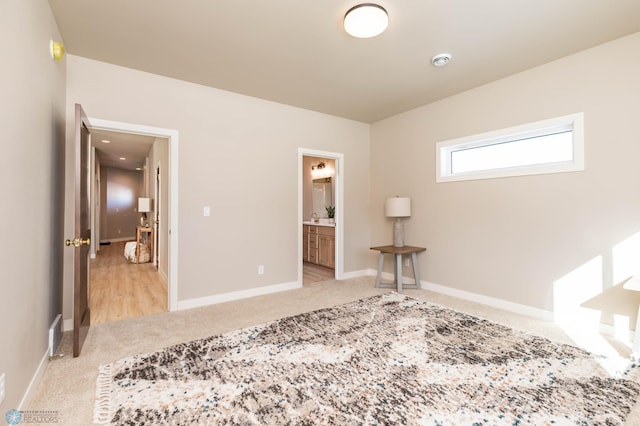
(2, 393)
(260, 269)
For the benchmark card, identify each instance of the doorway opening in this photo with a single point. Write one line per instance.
(320, 224)
(160, 171)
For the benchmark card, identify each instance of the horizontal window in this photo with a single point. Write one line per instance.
(550, 146)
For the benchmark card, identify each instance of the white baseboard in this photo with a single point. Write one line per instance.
(541, 314)
(356, 274)
(67, 325)
(474, 297)
(220, 298)
(35, 381)
(236, 295)
(517, 308)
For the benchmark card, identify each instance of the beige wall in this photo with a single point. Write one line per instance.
(31, 186)
(520, 238)
(238, 155)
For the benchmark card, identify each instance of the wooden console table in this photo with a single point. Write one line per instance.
(139, 231)
(398, 252)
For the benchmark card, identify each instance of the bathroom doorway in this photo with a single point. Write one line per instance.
(320, 213)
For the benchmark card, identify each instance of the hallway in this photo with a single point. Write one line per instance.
(122, 290)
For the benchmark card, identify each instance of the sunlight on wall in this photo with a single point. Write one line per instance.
(625, 256)
(621, 324)
(582, 324)
(573, 289)
(119, 197)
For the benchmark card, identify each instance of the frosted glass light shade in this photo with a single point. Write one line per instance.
(144, 205)
(397, 207)
(366, 20)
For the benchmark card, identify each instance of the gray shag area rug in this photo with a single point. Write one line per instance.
(384, 360)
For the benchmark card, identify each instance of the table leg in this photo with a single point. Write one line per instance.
(380, 262)
(414, 261)
(137, 246)
(398, 272)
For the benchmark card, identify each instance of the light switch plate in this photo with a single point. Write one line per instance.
(206, 211)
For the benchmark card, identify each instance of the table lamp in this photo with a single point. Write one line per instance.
(144, 206)
(398, 207)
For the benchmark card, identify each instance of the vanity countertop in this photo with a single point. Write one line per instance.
(321, 223)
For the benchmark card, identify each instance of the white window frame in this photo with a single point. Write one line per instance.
(573, 122)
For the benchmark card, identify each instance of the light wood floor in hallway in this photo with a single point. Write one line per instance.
(315, 273)
(122, 290)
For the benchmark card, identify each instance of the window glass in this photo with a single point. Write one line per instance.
(550, 146)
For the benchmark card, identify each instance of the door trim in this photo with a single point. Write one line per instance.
(339, 200)
(157, 203)
(172, 169)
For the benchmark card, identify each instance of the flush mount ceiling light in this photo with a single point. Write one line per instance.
(366, 20)
(441, 59)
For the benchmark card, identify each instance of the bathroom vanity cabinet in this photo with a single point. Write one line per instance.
(318, 245)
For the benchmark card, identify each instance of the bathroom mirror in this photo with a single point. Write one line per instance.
(322, 196)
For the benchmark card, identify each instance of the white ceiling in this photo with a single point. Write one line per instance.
(133, 148)
(295, 51)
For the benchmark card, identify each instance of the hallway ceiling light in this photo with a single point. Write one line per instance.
(366, 20)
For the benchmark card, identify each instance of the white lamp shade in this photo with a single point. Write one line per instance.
(366, 20)
(398, 207)
(144, 205)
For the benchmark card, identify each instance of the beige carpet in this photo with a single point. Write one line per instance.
(68, 386)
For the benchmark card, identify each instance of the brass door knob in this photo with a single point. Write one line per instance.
(77, 242)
